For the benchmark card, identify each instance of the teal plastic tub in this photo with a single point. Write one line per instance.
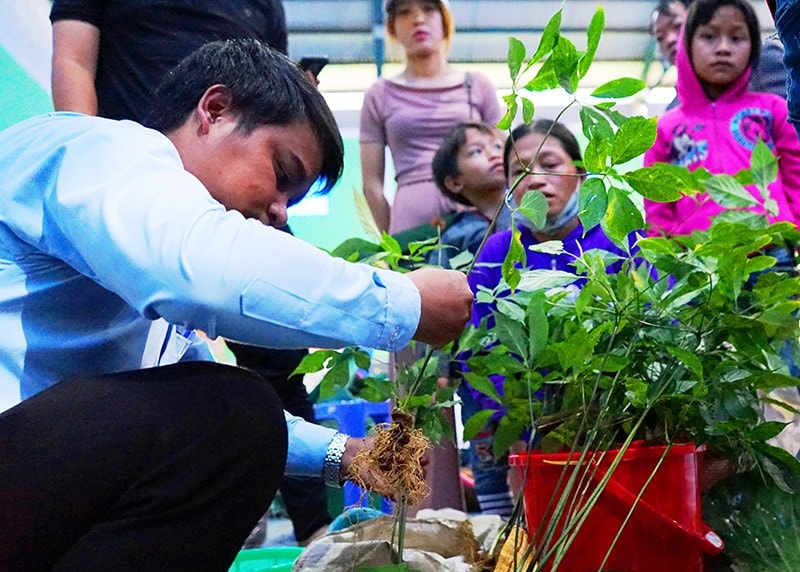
(270, 559)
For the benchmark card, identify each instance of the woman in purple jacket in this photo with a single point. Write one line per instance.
(542, 156)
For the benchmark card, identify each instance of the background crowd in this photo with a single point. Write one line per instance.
(435, 124)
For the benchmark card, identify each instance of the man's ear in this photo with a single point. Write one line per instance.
(214, 104)
(454, 184)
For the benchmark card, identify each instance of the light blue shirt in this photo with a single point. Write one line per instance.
(103, 234)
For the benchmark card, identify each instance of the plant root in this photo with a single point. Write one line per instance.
(396, 458)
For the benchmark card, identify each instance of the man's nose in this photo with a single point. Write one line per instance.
(277, 214)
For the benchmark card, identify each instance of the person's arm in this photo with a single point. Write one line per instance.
(315, 451)
(373, 171)
(180, 255)
(770, 74)
(489, 105)
(75, 50)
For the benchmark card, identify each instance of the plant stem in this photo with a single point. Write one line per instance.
(402, 514)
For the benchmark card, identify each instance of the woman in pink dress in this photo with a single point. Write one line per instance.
(413, 111)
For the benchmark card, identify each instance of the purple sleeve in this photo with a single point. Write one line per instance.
(494, 252)
(487, 271)
(372, 128)
(486, 99)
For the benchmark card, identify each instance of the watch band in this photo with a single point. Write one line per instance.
(332, 467)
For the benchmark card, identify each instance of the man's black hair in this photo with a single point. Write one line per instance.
(266, 87)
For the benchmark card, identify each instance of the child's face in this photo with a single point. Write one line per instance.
(480, 164)
(720, 50)
(552, 173)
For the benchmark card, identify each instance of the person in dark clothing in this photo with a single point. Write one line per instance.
(108, 59)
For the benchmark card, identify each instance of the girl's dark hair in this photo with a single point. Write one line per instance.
(549, 128)
(702, 11)
(266, 87)
(445, 161)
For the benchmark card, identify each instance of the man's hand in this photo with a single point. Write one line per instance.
(446, 304)
(369, 476)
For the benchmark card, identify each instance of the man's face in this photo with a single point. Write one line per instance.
(261, 173)
(667, 30)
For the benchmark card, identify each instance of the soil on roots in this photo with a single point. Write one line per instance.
(397, 458)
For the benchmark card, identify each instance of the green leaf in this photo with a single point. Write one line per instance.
(390, 244)
(355, 246)
(661, 182)
(596, 155)
(553, 247)
(549, 38)
(726, 191)
(592, 202)
(771, 206)
(749, 218)
(769, 381)
(635, 137)
(482, 384)
(516, 54)
(593, 33)
(534, 207)
(544, 79)
(511, 112)
(619, 88)
(688, 359)
(528, 109)
(595, 124)
(763, 166)
(514, 257)
(782, 456)
(512, 335)
(477, 422)
(544, 279)
(336, 378)
(565, 64)
(622, 217)
(767, 430)
(538, 328)
(315, 361)
(510, 309)
(505, 435)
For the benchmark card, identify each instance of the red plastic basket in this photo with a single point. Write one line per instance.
(665, 532)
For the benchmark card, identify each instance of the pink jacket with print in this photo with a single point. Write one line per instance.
(720, 135)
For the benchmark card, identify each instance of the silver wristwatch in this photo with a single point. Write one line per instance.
(332, 467)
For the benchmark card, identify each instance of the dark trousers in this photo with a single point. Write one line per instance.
(304, 497)
(159, 469)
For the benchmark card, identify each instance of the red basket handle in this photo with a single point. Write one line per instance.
(709, 540)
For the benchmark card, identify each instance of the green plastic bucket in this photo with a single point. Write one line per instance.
(270, 559)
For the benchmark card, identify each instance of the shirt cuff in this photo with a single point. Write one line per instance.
(308, 444)
(401, 295)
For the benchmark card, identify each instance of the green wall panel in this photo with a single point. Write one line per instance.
(20, 96)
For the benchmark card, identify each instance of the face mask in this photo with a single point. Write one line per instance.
(553, 223)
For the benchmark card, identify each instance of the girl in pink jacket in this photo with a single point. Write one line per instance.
(719, 121)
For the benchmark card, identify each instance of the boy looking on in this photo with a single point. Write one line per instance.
(468, 168)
